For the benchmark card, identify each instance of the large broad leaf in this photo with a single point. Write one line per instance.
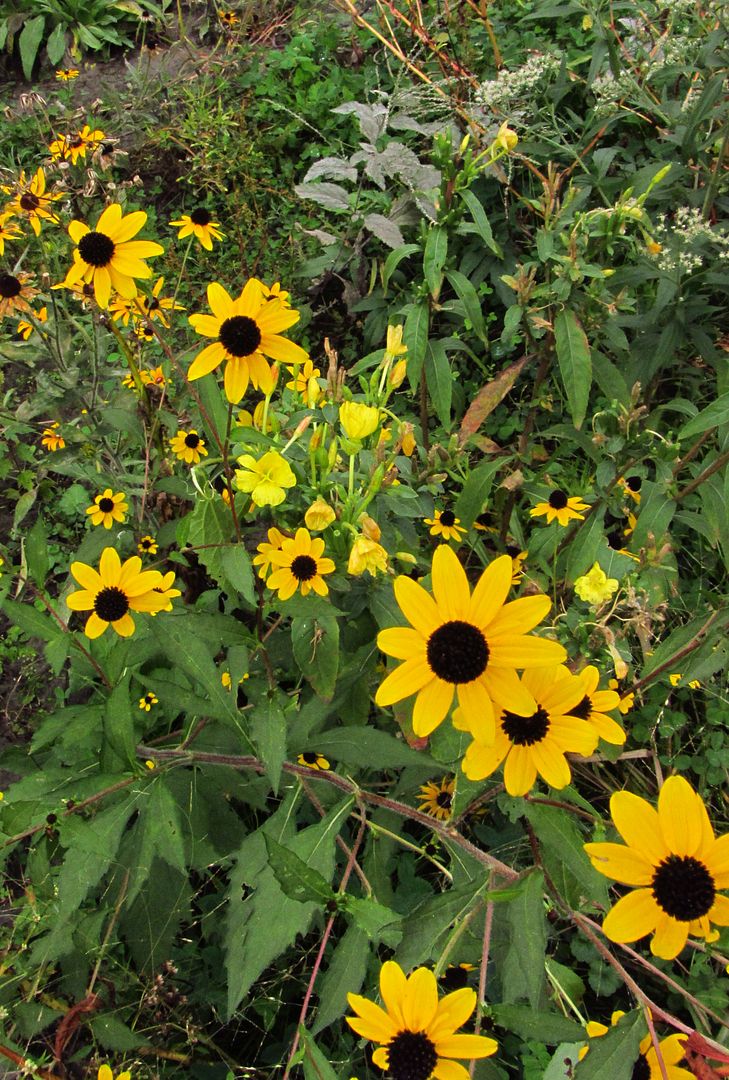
(534, 1026)
(426, 929)
(29, 43)
(575, 363)
(297, 880)
(481, 225)
(367, 747)
(91, 848)
(36, 552)
(344, 975)
(523, 969)
(415, 336)
(177, 638)
(119, 724)
(713, 415)
(316, 1066)
(466, 293)
(315, 644)
(158, 834)
(268, 730)
(472, 500)
(385, 230)
(564, 856)
(330, 196)
(613, 1056)
(394, 259)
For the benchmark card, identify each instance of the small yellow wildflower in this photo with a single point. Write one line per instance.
(595, 587)
(265, 480)
(149, 699)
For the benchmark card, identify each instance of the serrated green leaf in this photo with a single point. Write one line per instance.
(714, 415)
(113, 1034)
(344, 975)
(236, 564)
(534, 1026)
(268, 730)
(315, 1065)
(177, 638)
(367, 747)
(158, 833)
(564, 856)
(380, 923)
(476, 490)
(523, 968)
(31, 622)
(575, 363)
(91, 848)
(297, 880)
(315, 643)
(434, 257)
(612, 1056)
(119, 723)
(426, 928)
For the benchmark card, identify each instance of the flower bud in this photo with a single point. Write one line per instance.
(319, 515)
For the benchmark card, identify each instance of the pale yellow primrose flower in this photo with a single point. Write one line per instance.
(595, 587)
(358, 420)
(367, 555)
(319, 515)
(266, 479)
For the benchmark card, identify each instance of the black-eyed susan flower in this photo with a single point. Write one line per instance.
(676, 678)
(358, 420)
(518, 558)
(143, 332)
(417, 1034)
(107, 257)
(275, 292)
(67, 74)
(229, 19)
(312, 760)
(301, 377)
(300, 563)
(157, 306)
(265, 550)
(266, 479)
(535, 744)
(32, 201)
(436, 798)
(165, 592)
(199, 223)
(368, 556)
(246, 330)
(647, 1066)
(456, 976)
(108, 508)
(51, 438)
(631, 485)
(464, 644)
(595, 587)
(319, 516)
(188, 446)
(72, 147)
(674, 861)
(9, 230)
(154, 377)
(595, 706)
(26, 328)
(446, 524)
(113, 592)
(149, 699)
(147, 546)
(105, 1072)
(561, 508)
(15, 293)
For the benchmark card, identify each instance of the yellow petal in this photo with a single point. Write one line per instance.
(520, 615)
(236, 379)
(481, 761)
(634, 916)
(717, 858)
(620, 863)
(109, 566)
(684, 822)
(519, 771)
(478, 710)
(417, 605)
(509, 692)
(524, 651)
(420, 1002)
(450, 584)
(432, 705)
(669, 938)
(373, 1022)
(405, 680)
(220, 302)
(639, 825)
(206, 360)
(465, 1046)
(95, 626)
(551, 763)
(450, 1070)
(392, 990)
(491, 590)
(453, 1011)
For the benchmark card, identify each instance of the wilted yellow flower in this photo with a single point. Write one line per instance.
(394, 346)
(595, 587)
(358, 420)
(398, 373)
(506, 137)
(370, 528)
(319, 515)
(265, 479)
(367, 555)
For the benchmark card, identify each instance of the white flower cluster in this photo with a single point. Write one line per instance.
(510, 88)
(684, 241)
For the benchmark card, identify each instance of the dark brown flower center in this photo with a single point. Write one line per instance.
(106, 505)
(107, 148)
(75, 143)
(616, 540)
(454, 978)
(635, 483)
(457, 652)
(583, 709)
(303, 568)
(192, 441)
(448, 518)
(525, 730)
(201, 216)
(683, 887)
(29, 201)
(240, 335)
(444, 800)
(111, 604)
(309, 757)
(10, 286)
(153, 304)
(146, 543)
(558, 500)
(96, 249)
(411, 1056)
(641, 1069)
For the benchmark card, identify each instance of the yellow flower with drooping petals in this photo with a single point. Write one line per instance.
(319, 516)
(367, 555)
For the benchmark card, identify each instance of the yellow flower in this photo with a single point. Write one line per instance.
(647, 1066)
(299, 563)
(105, 1072)
(9, 230)
(263, 559)
(149, 699)
(246, 330)
(51, 439)
(675, 864)
(417, 1033)
(408, 441)
(465, 644)
(631, 485)
(436, 798)
(653, 247)
(313, 760)
(265, 480)
(301, 378)
(626, 703)
(147, 546)
(358, 420)
(107, 257)
(560, 507)
(108, 508)
(370, 528)
(366, 555)
(596, 704)
(676, 679)
(67, 74)
(113, 591)
(595, 587)
(199, 223)
(319, 516)
(397, 376)
(534, 744)
(25, 329)
(275, 292)
(229, 19)
(73, 147)
(188, 446)
(518, 558)
(446, 524)
(395, 346)
(165, 592)
(15, 293)
(506, 138)
(32, 201)
(156, 306)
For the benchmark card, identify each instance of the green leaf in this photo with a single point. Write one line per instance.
(415, 336)
(584, 546)
(483, 227)
(36, 552)
(534, 1026)
(434, 257)
(157, 833)
(56, 44)
(575, 363)
(23, 506)
(476, 490)
(656, 513)
(523, 968)
(467, 295)
(367, 747)
(297, 880)
(380, 923)
(344, 975)
(315, 645)
(564, 856)
(439, 380)
(315, 1065)
(31, 622)
(91, 851)
(394, 259)
(210, 533)
(612, 1056)
(714, 415)
(111, 1033)
(177, 637)
(236, 564)
(29, 43)
(268, 731)
(426, 928)
(119, 724)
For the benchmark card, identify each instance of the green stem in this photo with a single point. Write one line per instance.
(351, 473)
(182, 268)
